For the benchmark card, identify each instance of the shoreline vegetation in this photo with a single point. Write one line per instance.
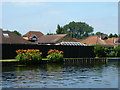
(44, 59)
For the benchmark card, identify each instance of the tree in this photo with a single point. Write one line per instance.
(115, 35)
(59, 30)
(111, 35)
(92, 34)
(79, 29)
(98, 33)
(16, 32)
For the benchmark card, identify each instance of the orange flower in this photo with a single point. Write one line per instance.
(16, 51)
(30, 59)
(19, 50)
(24, 50)
(37, 50)
(30, 54)
(61, 51)
(25, 57)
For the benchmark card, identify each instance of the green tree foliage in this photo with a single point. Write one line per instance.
(16, 32)
(117, 51)
(111, 35)
(77, 29)
(115, 35)
(99, 51)
(59, 30)
(98, 33)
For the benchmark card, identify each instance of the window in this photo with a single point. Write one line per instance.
(5, 35)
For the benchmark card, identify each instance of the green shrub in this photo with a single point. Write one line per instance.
(55, 55)
(112, 54)
(117, 51)
(30, 56)
(99, 51)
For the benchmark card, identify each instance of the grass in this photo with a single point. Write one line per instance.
(14, 60)
(8, 60)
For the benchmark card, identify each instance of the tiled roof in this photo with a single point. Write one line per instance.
(77, 40)
(51, 38)
(31, 33)
(95, 40)
(13, 38)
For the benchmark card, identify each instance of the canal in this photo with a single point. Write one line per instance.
(72, 75)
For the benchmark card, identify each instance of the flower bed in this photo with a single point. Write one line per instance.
(55, 55)
(29, 56)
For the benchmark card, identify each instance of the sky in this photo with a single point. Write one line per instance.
(45, 16)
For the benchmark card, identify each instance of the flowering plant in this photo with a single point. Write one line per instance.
(55, 55)
(29, 56)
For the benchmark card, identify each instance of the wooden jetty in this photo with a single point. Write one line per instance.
(86, 60)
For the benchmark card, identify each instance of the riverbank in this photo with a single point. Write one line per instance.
(14, 60)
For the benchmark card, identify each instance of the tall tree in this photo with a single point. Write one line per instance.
(59, 29)
(16, 32)
(79, 29)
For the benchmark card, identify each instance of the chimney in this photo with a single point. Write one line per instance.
(114, 40)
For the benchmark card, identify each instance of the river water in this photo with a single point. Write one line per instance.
(73, 75)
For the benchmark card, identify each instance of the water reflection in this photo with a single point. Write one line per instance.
(79, 75)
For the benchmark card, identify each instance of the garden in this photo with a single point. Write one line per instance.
(34, 56)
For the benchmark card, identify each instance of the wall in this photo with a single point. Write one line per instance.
(9, 50)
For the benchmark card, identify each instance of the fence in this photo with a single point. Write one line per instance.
(9, 50)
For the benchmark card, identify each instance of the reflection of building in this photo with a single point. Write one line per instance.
(101, 40)
(11, 38)
(55, 39)
(32, 36)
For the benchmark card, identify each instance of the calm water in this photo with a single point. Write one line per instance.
(87, 75)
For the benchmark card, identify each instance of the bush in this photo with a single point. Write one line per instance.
(112, 54)
(99, 51)
(117, 51)
(30, 56)
(55, 55)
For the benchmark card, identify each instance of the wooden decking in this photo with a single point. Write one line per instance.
(86, 60)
